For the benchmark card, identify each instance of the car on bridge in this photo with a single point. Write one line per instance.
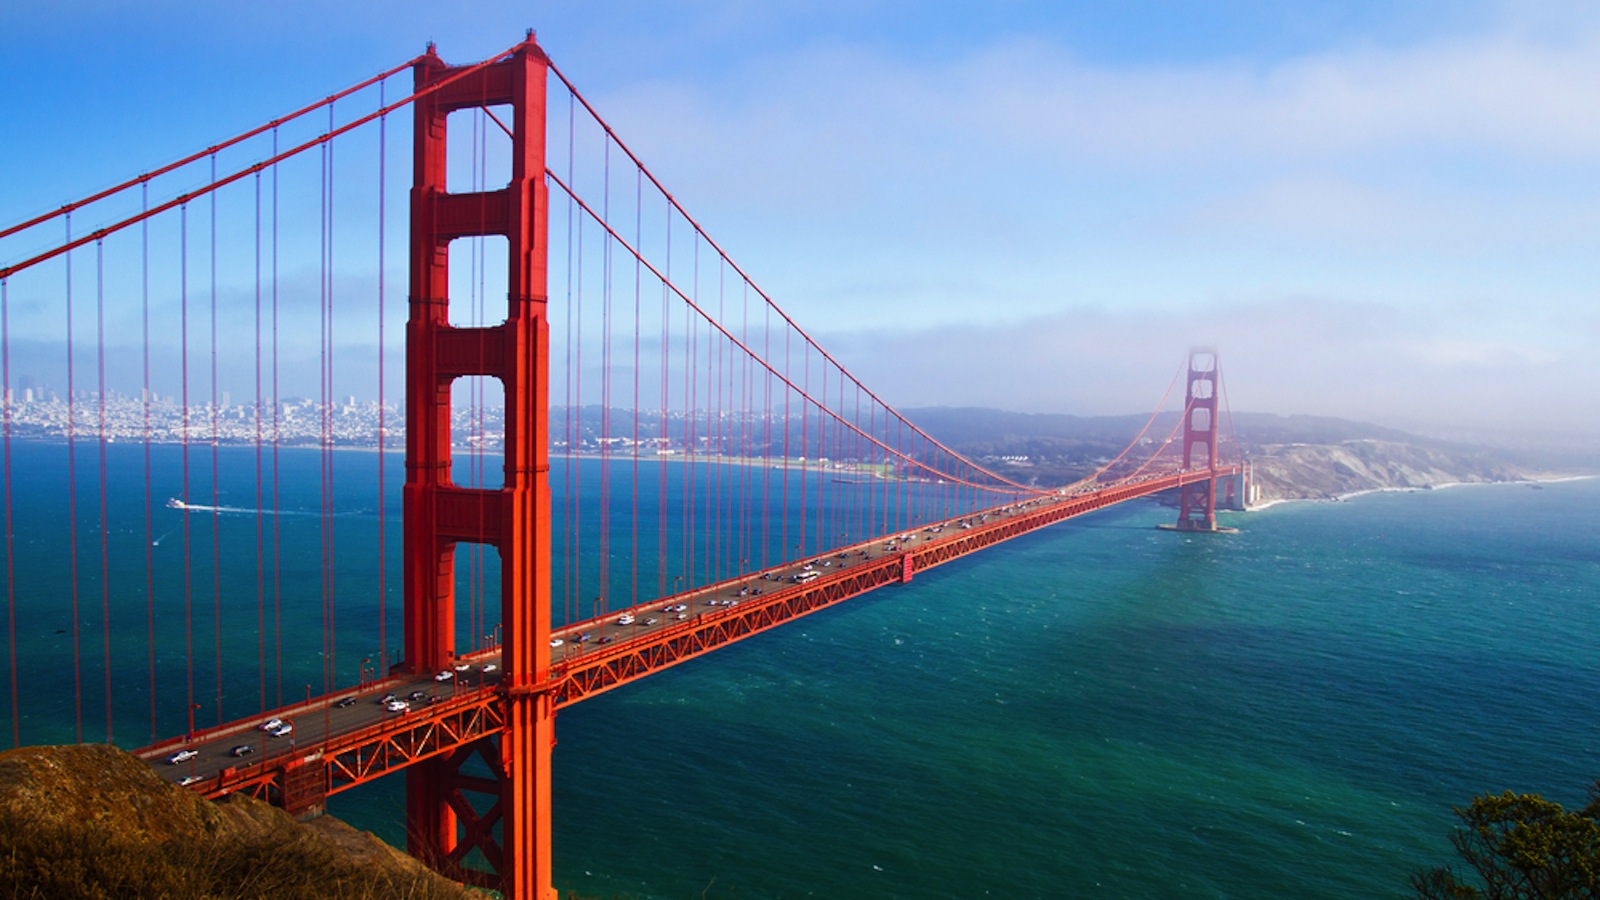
(183, 755)
(242, 750)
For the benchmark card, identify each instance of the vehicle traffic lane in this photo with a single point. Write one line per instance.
(212, 752)
(357, 709)
(572, 642)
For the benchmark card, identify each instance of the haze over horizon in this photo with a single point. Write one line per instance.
(1378, 211)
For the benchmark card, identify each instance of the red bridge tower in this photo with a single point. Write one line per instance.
(443, 826)
(1197, 501)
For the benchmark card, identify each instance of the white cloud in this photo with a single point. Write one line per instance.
(1322, 356)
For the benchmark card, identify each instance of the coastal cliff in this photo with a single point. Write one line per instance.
(88, 820)
(1327, 471)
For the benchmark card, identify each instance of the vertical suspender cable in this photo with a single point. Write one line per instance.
(105, 524)
(575, 367)
(692, 417)
(747, 388)
(149, 523)
(323, 401)
(783, 506)
(766, 437)
(604, 512)
(261, 524)
(183, 357)
(216, 487)
(824, 539)
(664, 434)
(329, 659)
(807, 458)
(11, 567)
(638, 274)
(277, 438)
(724, 529)
(72, 501)
(383, 158)
(475, 319)
(480, 299)
(569, 463)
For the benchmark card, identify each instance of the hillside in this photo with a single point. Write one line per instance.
(91, 821)
(1326, 471)
(1294, 457)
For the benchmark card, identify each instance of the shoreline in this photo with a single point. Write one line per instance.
(1445, 485)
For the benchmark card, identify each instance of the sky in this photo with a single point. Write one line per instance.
(1386, 211)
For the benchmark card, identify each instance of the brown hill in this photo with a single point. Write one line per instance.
(91, 821)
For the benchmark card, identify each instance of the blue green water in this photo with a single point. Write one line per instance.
(1100, 709)
(1104, 709)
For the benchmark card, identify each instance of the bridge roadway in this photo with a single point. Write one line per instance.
(351, 736)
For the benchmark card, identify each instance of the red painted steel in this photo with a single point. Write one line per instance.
(1197, 502)
(515, 519)
(439, 737)
(594, 672)
(506, 723)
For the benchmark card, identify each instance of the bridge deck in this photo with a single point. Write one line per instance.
(350, 737)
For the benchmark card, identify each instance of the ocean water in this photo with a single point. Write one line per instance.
(1099, 709)
(1105, 709)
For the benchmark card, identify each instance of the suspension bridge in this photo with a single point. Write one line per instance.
(636, 460)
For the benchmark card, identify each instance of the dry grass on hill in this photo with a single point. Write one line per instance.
(90, 821)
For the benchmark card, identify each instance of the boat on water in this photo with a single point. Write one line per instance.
(175, 503)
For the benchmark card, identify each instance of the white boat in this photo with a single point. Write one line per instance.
(175, 503)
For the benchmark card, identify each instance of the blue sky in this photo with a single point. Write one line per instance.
(1387, 211)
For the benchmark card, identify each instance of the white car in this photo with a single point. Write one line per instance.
(283, 729)
(445, 675)
(182, 756)
(625, 619)
(397, 706)
(270, 724)
(463, 667)
(187, 780)
(556, 642)
(490, 667)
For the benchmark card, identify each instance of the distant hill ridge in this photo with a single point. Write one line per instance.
(974, 425)
(1294, 457)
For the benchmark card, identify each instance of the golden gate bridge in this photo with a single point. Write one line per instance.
(662, 460)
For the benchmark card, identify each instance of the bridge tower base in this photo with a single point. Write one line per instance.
(512, 836)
